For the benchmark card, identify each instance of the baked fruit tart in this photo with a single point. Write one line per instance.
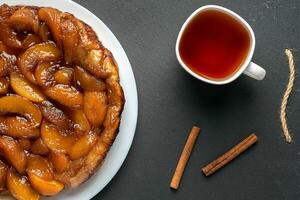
(60, 104)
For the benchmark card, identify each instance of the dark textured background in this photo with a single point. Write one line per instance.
(171, 101)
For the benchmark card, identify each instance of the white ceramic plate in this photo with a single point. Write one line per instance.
(121, 146)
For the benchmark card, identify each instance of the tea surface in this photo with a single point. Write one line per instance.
(214, 45)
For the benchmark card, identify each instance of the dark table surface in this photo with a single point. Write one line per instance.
(171, 102)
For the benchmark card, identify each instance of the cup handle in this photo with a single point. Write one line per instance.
(255, 71)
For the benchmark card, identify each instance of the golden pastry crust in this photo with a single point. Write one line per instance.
(76, 46)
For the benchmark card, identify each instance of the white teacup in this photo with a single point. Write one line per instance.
(247, 67)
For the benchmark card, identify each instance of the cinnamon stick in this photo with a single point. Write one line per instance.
(184, 157)
(230, 155)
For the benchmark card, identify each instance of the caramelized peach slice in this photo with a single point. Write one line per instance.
(30, 40)
(39, 52)
(44, 187)
(24, 143)
(51, 17)
(7, 63)
(47, 74)
(8, 36)
(65, 95)
(54, 115)
(24, 19)
(74, 167)
(39, 166)
(44, 74)
(70, 37)
(91, 60)
(81, 124)
(18, 127)
(3, 171)
(60, 161)
(54, 140)
(19, 187)
(63, 76)
(87, 81)
(40, 173)
(19, 105)
(25, 88)
(39, 147)
(83, 145)
(13, 153)
(44, 32)
(4, 85)
(95, 107)
(5, 49)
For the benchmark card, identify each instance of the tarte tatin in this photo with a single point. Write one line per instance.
(60, 104)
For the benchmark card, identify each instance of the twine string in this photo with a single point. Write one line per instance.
(289, 87)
